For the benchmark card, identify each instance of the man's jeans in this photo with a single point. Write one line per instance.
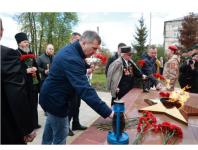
(56, 130)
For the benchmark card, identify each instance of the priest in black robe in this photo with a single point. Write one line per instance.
(16, 111)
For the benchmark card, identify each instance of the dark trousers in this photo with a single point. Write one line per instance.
(161, 70)
(146, 84)
(123, 90)
(74, 109)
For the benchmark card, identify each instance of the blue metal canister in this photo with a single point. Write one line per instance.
(118, 136)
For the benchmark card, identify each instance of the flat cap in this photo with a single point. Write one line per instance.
(126, 49)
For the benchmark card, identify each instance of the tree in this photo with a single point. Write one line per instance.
(45, 28)
(160, 51)
(189, 31)
(140, 37)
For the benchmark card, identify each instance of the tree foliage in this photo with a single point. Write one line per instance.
(140, 37)
(160, 51)
(189, 31)
(45, 28)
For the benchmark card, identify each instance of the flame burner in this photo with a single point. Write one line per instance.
(118, 136)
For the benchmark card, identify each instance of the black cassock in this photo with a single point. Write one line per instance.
(33, 89)
(16, 109)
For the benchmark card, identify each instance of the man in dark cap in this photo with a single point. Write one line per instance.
(16, 116)
(32, 73)
(121, 73)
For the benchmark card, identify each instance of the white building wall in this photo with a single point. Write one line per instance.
(171, 33)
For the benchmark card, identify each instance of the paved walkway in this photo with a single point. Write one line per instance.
(87, 117)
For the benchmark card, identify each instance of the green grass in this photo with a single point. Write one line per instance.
(99, 81)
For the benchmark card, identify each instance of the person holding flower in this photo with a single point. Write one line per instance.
(149, 68)
(66, 79)
(74, 108)
(29, 64)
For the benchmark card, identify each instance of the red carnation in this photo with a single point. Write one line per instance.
(171, 133)
(26, 56)
(145, 123)
(158, 76)
(141, 62)
(164, 94)
(102, 58)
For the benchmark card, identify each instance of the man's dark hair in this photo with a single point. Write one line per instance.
(121, 45)
(90, 36)
(76, 33)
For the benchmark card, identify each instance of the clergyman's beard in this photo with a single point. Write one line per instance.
(26, 50)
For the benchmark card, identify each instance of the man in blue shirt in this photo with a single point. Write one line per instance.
(66, 78)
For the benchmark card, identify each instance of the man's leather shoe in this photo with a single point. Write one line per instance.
(146, 90)
(78, 127)
(71, 133)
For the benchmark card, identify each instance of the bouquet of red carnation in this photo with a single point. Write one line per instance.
(102, 58)
(146, 123)
(171, 133)
(164, 94)
(27, 57)
(158, 76)
(141, 62)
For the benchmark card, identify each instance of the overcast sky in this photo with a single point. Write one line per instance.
(115, 24)
(121, 26)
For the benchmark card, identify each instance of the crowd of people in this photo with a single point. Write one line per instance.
(59, 83)
(121, 75)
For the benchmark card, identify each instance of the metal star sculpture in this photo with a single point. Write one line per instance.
(178, 114)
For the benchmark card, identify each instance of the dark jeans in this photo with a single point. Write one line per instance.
(121, 93)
